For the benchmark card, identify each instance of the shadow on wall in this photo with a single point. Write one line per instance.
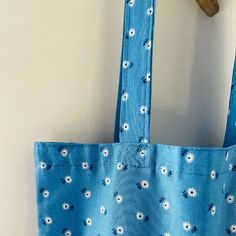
(202, 121)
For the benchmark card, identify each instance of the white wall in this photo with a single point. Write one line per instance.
(59, 67)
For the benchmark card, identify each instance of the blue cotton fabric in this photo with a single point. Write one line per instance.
(131, 187)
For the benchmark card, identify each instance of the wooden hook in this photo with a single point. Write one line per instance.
(210, 7)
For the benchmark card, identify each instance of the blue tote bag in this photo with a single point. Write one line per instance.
(131, 187)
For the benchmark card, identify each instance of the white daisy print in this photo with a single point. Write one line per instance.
(86, 166)
(126, 64)
(118, 197)
(229, 198)
(43, 165)
(125, 126)
(148, 44)
(166, 234)
(142, 140)
(45, 193)
(144, 184)
(164, 170)
(124, 96)
(143, 109)
(105, 152)
(212, 209)
(106, 181)
(165, 204)
(121, 166)
(148, 77)
(142, 152)
(64, 152)
(189, 157)
(48, 220)
(66, 206)
(119, 230)
(131, 3)
(67, 232)
(150, 11)
(140, 215)
(67, 179)
(187, 226)
(131, 32)
(190, 192)
(103, 210)
(214, 174)
(233, 228)
(88, 222)
(86, 193)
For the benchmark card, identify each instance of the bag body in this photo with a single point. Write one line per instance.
(131, 187)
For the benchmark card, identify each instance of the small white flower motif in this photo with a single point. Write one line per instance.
(105, 152)
(192, 192)
(165, 205)
(148, 44)
(45, 193)
(48, 220)
(67, 232)
(131, 32)
(86, 193)
(120, 166)
(187, 226)
(148, 77)
(64, 152)
(67, 179)
(126, 64)
(140, 215)
(143, 109)
(142, 152)
(119, 198)
(131, 3)
(119, 230)
(88, 222)
(125, 127)
(43, 165)
(212, 209)
(144, 184)
(189, 157)
(214, 174)
(106, 181)
(86, 166)
(103, 210)
(150, 11)
(124, 96)
(233, 229)
(230, 198)
(164, 170)
(66, 206)
(142, 140)
(166, 234)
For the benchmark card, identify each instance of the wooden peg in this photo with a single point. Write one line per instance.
(210, 7)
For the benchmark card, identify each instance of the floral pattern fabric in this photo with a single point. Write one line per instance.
(132, 187)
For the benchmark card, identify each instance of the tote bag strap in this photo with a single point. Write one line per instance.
(230, 133)
(134, 96)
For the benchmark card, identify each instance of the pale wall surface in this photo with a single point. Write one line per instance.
(59, 66)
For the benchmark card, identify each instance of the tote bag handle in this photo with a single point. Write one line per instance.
(132, 123)
(134, 95)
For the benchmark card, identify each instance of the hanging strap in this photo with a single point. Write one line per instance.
(134, 96)
(230, 133)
